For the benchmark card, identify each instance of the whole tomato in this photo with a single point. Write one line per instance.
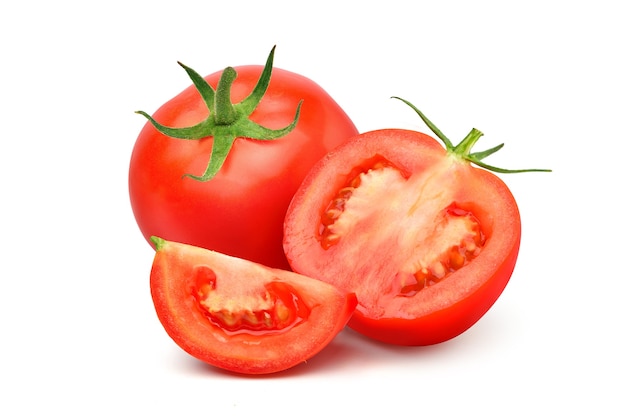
(218, 175)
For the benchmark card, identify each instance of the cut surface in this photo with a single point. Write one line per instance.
(413, 224)
(269, 308)
(242, 316)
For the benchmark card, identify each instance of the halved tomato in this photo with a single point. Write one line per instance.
(426, 240)
(242, 316)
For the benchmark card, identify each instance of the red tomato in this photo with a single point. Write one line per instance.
(242, 316)
(240, 211)
(426, 240)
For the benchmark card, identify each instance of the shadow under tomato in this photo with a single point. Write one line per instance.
(355, 353)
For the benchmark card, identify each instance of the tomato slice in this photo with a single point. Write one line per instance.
(242, 316)
(426, 240)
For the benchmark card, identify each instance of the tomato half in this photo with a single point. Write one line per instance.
(240, 210)
(242, 316)
(425, 239)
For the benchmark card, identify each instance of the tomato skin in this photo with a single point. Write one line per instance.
(241, 210)
(173, 285)
(442, 325)
(436, 313)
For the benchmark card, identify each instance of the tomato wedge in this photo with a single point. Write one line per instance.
(425, 239)
(242, 316)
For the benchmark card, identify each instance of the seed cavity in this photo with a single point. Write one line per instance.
(448, 259)
(274, 307)
(337, 205)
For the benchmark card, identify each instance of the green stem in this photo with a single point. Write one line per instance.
(225, 113)
(465, 146)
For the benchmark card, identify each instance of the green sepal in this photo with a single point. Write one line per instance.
(226, 121)
(158, 242)
(464, 148)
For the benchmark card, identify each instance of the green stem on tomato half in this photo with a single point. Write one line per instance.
(464, 148)
(226, 121)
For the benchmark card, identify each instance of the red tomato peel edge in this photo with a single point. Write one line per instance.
(217, 165)
(426, 240)
(241, 316)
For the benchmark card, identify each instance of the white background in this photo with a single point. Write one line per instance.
(79, 332)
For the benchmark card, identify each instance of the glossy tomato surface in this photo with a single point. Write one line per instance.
(241, 316)
(427, 241)
(241, 210)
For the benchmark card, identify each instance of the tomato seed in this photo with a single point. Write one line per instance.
(457, 260)
(453, 259)
(329, 240)
(282, 312)
(345, 192)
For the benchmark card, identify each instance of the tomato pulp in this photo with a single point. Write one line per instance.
(240, 209)
(426, 240)
(241, 316)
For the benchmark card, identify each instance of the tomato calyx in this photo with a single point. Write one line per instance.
(226, 121)
(463, 151)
